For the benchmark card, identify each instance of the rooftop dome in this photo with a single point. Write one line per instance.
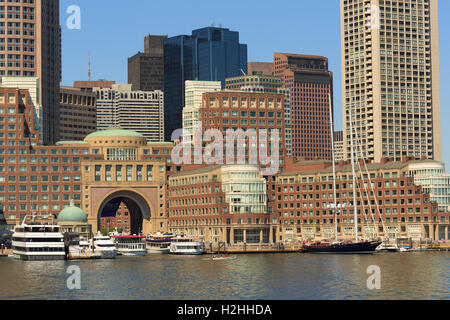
(72, 214)
(114, 132)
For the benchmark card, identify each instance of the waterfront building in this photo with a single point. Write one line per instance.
(73, 219)
(386, 196)
(30, 46)
(193, 103)
(146, 70)
(209, 54)
(77, 113)
(108, 168)
(266, 84)
(140, 111)
(434, 181)
(221, 204)
(260, 69)
(390, 78)
(310, 84)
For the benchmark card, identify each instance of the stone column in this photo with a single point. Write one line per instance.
(431, 231)
(438, 227)
(446, 233)
(232, 235)
(271, 234)
(245, 235)
(261, 235)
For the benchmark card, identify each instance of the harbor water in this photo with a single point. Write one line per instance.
(421, 275)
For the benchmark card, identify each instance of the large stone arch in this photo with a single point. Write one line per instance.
(139, 206)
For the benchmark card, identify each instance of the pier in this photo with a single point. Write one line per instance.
(5, 252)
(251, 248)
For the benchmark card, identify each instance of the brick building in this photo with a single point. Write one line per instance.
(245, 111)
(221, 204)
(310, 83)
(77, 110)
(386, 193)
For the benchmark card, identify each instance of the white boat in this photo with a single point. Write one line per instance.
(388, 247)
(38, 242)
(129, 245)
(104, 246)
(182, 245)
(159, 243)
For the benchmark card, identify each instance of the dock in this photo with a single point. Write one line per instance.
(5, 252)
(251, 248)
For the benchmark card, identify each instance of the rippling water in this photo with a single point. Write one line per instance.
(274, 277)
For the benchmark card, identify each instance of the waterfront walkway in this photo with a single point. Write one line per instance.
(252, 248)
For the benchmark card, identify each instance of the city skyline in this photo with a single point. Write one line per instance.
(277, 38)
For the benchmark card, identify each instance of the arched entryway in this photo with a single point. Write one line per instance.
(137, 206)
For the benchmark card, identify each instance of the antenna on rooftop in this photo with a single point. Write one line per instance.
(89, 66)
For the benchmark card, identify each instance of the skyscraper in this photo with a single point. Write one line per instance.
(30, 46)
(146, 70)
(209, 54)
(310, 83)
(140, 111)
(390, 78)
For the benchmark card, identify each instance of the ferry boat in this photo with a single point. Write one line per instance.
(37, 242)
(159, 243)
(182, 245)
(129, 245)
(103, 245)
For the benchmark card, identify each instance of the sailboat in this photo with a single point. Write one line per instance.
(358, 246)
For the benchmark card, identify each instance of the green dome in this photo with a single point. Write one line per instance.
(72, 214)
(114, 132)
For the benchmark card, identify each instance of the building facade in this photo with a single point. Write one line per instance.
(146, 70)
(234, 114)
(77, 113)
(310, 84)
(221, 204)
(30, 46)
(434, 181)
(140, 111)
(194, 99)
(388, 202)
(209, 54)
(97, 174)
(266, 84)
(390, 78)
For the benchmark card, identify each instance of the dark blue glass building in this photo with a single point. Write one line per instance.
(209, 54)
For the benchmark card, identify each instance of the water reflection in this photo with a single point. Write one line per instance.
(278, 277)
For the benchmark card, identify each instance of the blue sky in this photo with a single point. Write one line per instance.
(114, 30)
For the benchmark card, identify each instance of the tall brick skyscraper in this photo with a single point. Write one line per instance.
(390, 77)
(30, 46)
(310, 82)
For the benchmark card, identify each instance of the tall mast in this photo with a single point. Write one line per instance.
(355, 206)
(334, 165)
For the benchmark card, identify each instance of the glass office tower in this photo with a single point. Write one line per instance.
(209, 54)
